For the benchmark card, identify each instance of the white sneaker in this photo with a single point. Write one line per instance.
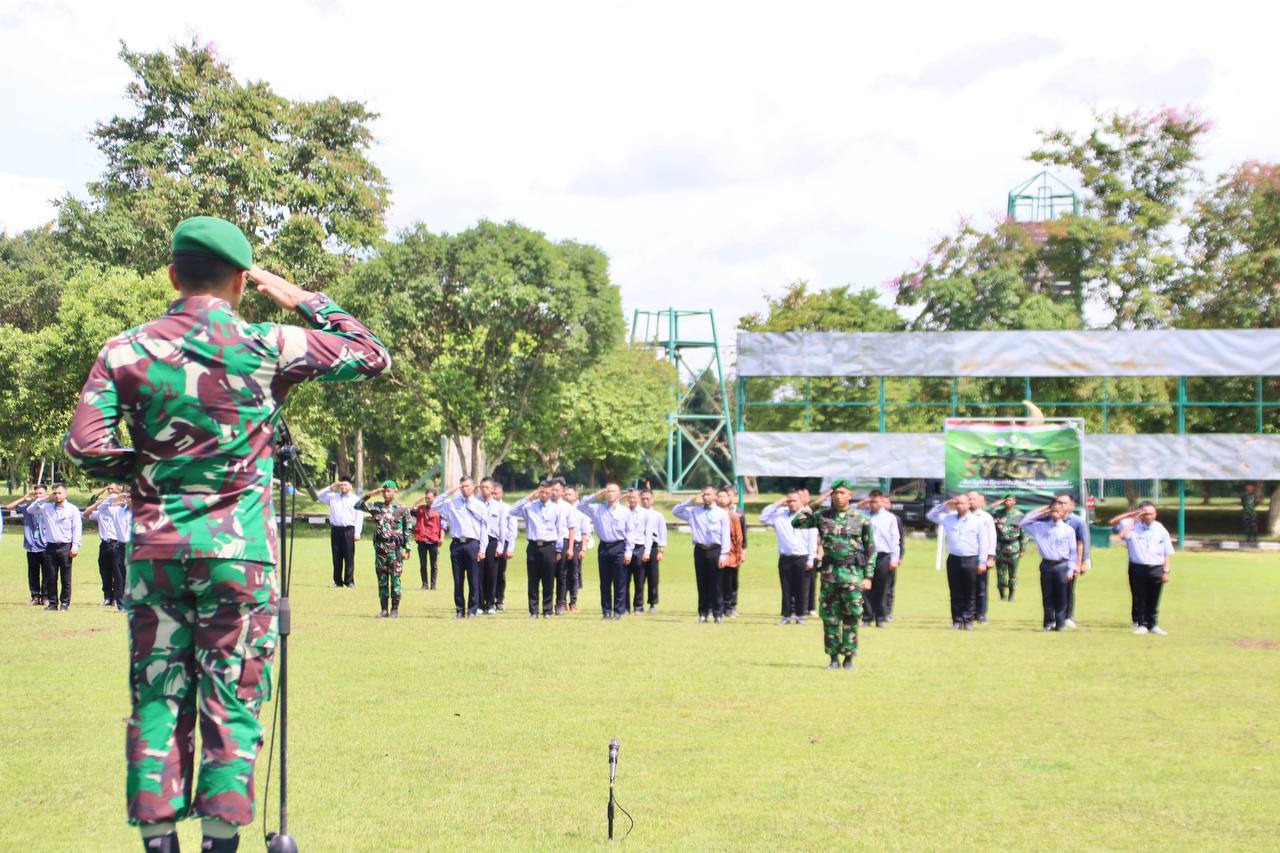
(1141, 630)
(1070, 623)
(492, 611)
(1158, 631)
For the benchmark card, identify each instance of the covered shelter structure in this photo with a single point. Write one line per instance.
(872, 361)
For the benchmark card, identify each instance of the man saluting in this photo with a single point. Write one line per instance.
(200, 391)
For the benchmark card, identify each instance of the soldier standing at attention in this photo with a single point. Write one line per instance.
(1249, 509)
(610, 520)
(345, 524)
(32, 541)
(709, 525)
(427, 533)
(1011, 542)
(846, 539)
(61, 526)
(465, 517)
(201, 391)
(390, 544)
(115, 526)
(1058, 555)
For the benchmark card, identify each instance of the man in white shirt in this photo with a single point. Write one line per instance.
(887, 540)
(345, 526)
(567, 548)
(709, 525)
(978, 506)
(61, 525)
(115, 526)
(655, 527)
(796, 552)
(1150, 553)
(506, 548)
(966, 548)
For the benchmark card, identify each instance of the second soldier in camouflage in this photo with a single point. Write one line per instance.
(846, 538)
(390, 544)
(1011, 542)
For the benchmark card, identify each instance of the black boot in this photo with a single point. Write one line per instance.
(161, 844)
(395, 608)
(1011, 593)
(383, 614)
(221, 845)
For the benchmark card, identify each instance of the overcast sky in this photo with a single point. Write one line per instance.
(716, 152)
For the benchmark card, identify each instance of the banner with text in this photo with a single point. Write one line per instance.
(1033, 462)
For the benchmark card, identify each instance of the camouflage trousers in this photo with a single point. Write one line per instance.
(202, 634)
(388, 567)
(840, 608)
(1007, 572)
(1251, 526)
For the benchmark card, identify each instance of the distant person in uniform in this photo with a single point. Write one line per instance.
(966, 554)
(797, 550)
(1011, 542)
(345, 524)
(32, 541)
(1059, 553)
(1249, 512)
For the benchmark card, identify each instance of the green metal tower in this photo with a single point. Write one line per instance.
(1041, 198)
(699, 420)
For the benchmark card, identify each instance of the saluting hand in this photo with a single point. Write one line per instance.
(283, 293)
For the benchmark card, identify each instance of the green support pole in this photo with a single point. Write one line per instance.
(1182, 484)
(1258, 397)
(1106, 398)
(955, 396)
(882, 418)
(808, 405)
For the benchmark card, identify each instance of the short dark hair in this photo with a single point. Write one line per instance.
(646, 491)
(462, 480)
(199, 273)
(1146, 505)
(544, 484)
(429, 493)
(58, 485)
(876, 493)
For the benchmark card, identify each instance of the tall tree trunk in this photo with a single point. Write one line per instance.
(360, 459)
(1206, 492)
(477, 452)
(344, 460)
(751, 485)
(1131, 493)
(1273, 512)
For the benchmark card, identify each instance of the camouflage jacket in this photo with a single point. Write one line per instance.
(390, 524)
(201, 391)
(1249, 503)
(846, 540)
(1011, 540)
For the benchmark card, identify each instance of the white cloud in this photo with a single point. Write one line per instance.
(714, 151)
(27, 202)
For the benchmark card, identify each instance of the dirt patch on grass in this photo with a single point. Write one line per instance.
(1251, 643)
(83, 632)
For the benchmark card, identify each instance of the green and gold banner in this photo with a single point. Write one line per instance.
(1033, 462)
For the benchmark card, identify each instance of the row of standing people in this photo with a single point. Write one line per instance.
(52, 529)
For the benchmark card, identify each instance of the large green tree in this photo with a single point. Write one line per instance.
(487, 325)
(293, 174)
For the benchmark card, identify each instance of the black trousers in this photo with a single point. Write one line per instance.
(540, 562)
(729, 589)
(1071, 596)
(1146, 585)
(57, 565)
(565, 593)
(706, 567)
(35, 573)
(980, 590)
(1053, 591)
(811, 594)
(342, 544)
(464, 557)
(489, 576)
(962, 580)
(878, 596)
(635, 572)
(791, 577)
(500, 588)
(428, 551)
(651, 575)
(111, 571)
(611, 557)
(893, 588)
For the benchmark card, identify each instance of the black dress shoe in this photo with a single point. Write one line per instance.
(835, 664)
(161, 844)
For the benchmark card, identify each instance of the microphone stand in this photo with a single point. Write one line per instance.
(290, 469)
(613, 769)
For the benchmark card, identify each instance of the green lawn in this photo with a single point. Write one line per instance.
(429, 733)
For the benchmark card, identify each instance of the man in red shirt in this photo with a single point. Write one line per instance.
(426, 532)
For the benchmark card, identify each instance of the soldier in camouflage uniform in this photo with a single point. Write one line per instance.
(390, 543)
(1011, 542)
(846, 539)
(201, 391)
(1249, 506)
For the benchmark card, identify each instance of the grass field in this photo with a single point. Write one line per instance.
(430, 733)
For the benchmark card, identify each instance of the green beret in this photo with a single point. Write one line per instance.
(209, 235)
(841, 484)
(1006, 497)
(389, 484)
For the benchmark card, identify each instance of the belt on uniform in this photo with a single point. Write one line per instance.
(706, 547)
(464, 540)
(612, 541)
(542, 543)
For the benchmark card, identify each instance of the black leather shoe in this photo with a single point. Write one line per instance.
(221, 845)
(161, 844)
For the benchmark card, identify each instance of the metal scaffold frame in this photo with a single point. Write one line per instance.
(691, 433)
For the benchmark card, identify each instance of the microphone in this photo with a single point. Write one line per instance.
(614, 746)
